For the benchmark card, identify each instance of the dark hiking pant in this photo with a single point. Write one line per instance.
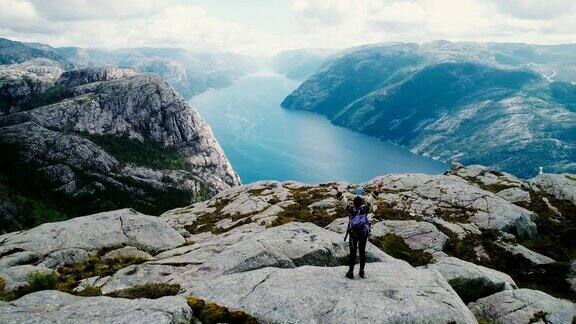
(355, 245)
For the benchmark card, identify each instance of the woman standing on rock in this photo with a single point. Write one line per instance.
(358, 223)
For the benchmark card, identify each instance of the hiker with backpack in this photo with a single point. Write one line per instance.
(358, 224)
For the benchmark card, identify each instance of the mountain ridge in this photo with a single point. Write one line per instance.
(433, 97)
(190, 73)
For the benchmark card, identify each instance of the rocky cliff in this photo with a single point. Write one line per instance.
(96, 139)
(509, 106)
(471, 245)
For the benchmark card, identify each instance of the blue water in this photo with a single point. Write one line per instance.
(264, 141)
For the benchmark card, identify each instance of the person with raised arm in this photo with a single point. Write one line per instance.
(358, 229)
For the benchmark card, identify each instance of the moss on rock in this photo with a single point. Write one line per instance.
(211, 313)
(148, 290)
(71, 275)
(196, 304)
(397, 248)
(550, 278)
(38, 280)
(301, 212)
(90, 291)
(388, 211)
(206, 222)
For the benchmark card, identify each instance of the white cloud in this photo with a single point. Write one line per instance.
(424, 20)
(319, 23)
(536, 9)
(124, 23)
(77, 10)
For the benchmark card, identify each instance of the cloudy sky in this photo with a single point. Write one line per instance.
(268, 26)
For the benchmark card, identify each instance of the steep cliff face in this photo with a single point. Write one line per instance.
(105, 138)
(454, 101)
(471, 245)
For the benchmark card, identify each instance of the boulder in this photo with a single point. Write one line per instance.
(128, 252)
(287, 246)
(417, 235)
(462, 230)
(58, 307)
(17, 257)
(138, 275)
(514, 195)
(64, 257)
(455, 199)
(524, 306)
(393, 292)
(471, 281)
(529, 255)
(17, 276)
(561, 186)
(59, 241)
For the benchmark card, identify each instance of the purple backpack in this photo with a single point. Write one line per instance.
(359, 225)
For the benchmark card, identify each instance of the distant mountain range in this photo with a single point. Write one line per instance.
(301, 63)
(510, 106)
(190, 73)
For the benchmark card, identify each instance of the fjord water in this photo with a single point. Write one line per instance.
(264, 141)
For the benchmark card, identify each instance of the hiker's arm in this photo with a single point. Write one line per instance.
(373, 196)
(340, 196)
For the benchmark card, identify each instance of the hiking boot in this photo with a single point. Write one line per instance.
(361, 273)
(350, 275)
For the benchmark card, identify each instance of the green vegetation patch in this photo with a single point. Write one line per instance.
(148, 153)
(396, 247)
(211, 313)
(52, 95)
(4, 295)
(90, 291)
(556, 234)
(71, 275)
(550, 278)
(38, 280)
(21, 211)
(206, 222)
(453, 214)
(300, 212)
(472, 290)
(388, 211)
(493, 187)
(148, 290)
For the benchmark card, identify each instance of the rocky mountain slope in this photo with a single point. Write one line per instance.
(492, 104)
(190, 73)
(95, 139)
(470, 245)
(16, 52)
